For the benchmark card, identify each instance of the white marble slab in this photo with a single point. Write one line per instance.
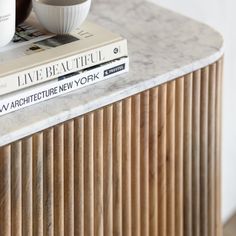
(162, 46)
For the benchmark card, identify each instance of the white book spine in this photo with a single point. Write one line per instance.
(54, 88)
(52, 70)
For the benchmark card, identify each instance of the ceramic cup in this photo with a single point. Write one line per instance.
(61, 16)
(23, 9)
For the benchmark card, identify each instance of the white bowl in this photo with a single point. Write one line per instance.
(61, 16)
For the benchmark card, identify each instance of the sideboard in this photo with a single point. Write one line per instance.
(137, 155)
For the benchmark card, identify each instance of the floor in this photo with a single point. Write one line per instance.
(230, 227)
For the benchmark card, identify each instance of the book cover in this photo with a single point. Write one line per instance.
(62, 85)
(35, 56)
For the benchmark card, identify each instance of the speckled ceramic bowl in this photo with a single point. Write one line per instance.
(61, 16)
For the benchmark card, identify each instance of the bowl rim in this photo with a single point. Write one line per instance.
(61, 6)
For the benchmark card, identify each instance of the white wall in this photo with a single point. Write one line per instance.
(221, 15)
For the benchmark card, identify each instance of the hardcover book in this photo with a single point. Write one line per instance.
(35, 56)
(62, 85)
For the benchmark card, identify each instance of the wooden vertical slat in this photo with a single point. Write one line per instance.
(98, 173)
(162, 106)
(38, 184)
(153, 156)
(59, 180)
(108, 170)
(188, 211)
(219, 75)
(204, 152)
(27, 184)
(196, 152)
(69, 177)
(144, 160)
(170, 153)
(135, 162)
(16, 189)
(79, 176)
(117, 169)
(126, 167)
(89, 174)
(5, 191)
(211, 151)
(179, 123)
(48, 180)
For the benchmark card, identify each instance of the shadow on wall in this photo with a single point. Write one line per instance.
(230, 227)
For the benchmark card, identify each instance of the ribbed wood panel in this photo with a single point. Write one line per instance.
(219, 76)
(147, 165)
(38, 185)
(107, 170)
(196, 152)
(16, 189)
(117, 170)
(204, 152)
(79, 176)
(170, 158)
(179, 161)
(48, 183)
(161, 161)
(59, 180)
(188, 195)
(136, 165)
(27, 190)
(153, 161)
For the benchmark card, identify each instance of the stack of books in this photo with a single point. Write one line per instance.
(37, 66)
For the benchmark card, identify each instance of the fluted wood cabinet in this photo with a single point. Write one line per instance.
(146, 165)
(140, 156)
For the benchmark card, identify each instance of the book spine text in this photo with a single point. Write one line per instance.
(54, 88)
(62, 67)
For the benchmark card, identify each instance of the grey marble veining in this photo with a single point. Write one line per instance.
(162, 46)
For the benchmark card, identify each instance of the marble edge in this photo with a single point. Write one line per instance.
(115, 97)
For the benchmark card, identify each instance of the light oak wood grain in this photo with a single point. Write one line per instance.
(16, 189)
(68, 178)
(108, 170)
(126, 168)
(98, 174)
(179, 162)
(153, 163)
(59, 185)
(89, 175)
(27, 194)
(117, 170)
(196, 152)
(147, 165)
(79, 176)
(136, 165)
(5, 191)
(144, 161)
(211, 151)
(170, 154)
(218, 151)
(188, 204)
(162, 106)
(204, 152)
(48, 183)
(38, 184)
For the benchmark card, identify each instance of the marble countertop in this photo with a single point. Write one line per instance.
(162, 45)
